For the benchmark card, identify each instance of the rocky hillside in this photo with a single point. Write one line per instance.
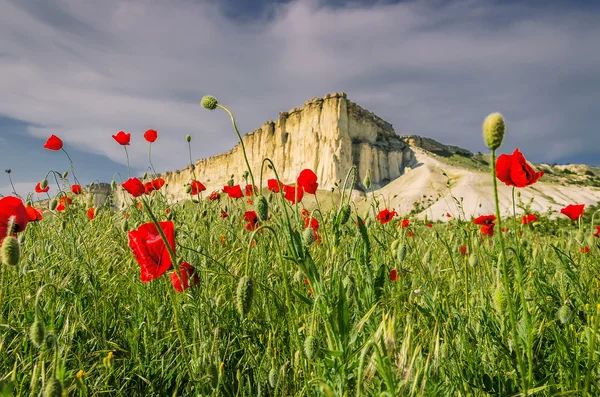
(415, 174)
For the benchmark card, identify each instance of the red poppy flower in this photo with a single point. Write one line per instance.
(394, 275)
(249, 201)
(233, 191)
(429, 225)
(76, 189)
(528, 218)
(485, 220)
(158, 183)
(12, 207)
(305, 213)
(140, 205)
(167, 211)
(33, 214)
(150, 135)
(214, 196)
(250, 190)
(448, 215)
(252, 218)
(150, 251)
(135, 187)
(573, 211)
(487, 230)
(38, 188)
(63, 202)
(385, 216)
(311, 222)
(504, 229)
(308, 181)
(463, 250)
(513, 170)
(597, 233)
(122, 138)
(187, 271)
(91, 213)
(410, 234)
(584, 250)
(148, 188)
(405, 223)
(293, 194)
(53, 143)
(273, 186)
(223, 214)
(197, 187)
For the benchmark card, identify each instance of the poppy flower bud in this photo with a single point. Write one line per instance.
(125, 226)
(10, 251)
(188, 138)
(244, 295)
(273, 377)
(311, 347)
(299, 276)
(493, 130)
(188, 189)
(53, 388)
(394, 245)
(196, 217)
(230, 182)
(401, 253)
(367, 181)
(44, 183)
(344, 214)
(37, 333)
(591, 240)
(262, 208)
(499, 298)
(169, 216)
(21, 239)
(308, 235)
(209, 102)
(65, 175)
(564, 314)
(427, 258)
(113, 184)
(473, 260)
(53, 204)
(145, 175)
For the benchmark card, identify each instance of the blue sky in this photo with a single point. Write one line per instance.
(84, 70)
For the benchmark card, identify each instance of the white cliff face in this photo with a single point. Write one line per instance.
(328, 135)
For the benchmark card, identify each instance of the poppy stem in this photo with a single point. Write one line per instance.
(128, 167)
(241, 141)
(150, 158)
(505, 281)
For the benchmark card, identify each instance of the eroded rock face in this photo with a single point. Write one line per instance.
(328, 135)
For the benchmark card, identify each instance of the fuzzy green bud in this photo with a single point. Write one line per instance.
(37, 333)
(311, 347)
(244, 295)
(308, 235)
(262, 208)
(188, 138)
(113, 184)
(53, 204)
(367, 181)
(145, 175)
(493, 130)
(427, 258)
(65, 175)
(188, 189)
(44, 183)
(401, 253)
(22, 239)
(53, 388)
(564, 314)
(473, 260)
(299, 276)
(344, 214)
(273, 377)
(499, 299)
(125, 226)
(591, 240)
(10, 251)
(209, 102)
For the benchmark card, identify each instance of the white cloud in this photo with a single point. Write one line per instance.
(85, 70)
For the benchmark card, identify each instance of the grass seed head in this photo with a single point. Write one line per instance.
(308, 235)
(273, 377)
(499, 298)
(564, 314)
(311, 347)
(401, 253)
(53, 388)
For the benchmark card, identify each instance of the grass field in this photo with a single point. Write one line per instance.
(377, 305)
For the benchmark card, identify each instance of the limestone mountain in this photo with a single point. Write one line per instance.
(413, 174)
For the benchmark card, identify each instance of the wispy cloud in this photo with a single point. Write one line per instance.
(85, 70)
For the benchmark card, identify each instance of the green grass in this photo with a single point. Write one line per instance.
(441, 329)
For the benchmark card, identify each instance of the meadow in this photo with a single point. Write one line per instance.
(245, 292)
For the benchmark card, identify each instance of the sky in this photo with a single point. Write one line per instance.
(84, 70)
